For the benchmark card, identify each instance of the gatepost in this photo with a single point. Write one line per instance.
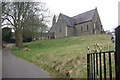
(117, 52)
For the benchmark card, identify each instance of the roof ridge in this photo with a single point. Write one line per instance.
(84, 12)
(69, 20)
(65, 15)
(83, 17)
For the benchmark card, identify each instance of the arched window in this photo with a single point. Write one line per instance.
(87, 28)
(60, 28)
(97, 25)
(81, 28)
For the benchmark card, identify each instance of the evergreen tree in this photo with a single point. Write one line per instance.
(54, 20)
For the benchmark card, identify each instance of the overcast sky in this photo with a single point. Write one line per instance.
(107, 9)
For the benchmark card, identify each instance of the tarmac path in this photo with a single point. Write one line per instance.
(13, 67)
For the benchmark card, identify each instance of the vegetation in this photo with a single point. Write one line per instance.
(7, 35)
(54, 20)
(22, 15)
(64, 57)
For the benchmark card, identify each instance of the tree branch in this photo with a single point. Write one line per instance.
(10, 21)
(6, 24)
(9, 15)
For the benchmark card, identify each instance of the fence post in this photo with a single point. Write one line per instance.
(88, 64)
(117, 52)
(100, 65)
(94, 64)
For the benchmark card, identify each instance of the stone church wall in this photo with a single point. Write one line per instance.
(60, 30)
(70, 31)
(98, 26)
(84, 28)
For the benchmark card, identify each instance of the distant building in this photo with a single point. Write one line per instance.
(87, 23)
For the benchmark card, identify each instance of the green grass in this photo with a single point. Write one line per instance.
(64, 57)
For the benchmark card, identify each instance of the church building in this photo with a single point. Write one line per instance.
(87, 23)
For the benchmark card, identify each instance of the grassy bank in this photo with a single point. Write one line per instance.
(64, 57)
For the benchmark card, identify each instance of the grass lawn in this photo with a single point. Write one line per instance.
(64, 57)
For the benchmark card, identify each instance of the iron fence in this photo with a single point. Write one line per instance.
(97, 64)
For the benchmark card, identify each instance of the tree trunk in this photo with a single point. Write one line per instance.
(32, 38)
(19, 39)
(16, 39)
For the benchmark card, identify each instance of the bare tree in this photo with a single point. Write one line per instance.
(35, 26)
(17, 15)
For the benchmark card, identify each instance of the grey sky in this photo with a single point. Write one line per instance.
(107, 9)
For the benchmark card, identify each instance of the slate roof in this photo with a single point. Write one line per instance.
(87, 16)
(70, 21)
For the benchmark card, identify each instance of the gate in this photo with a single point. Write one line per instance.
(101, 63)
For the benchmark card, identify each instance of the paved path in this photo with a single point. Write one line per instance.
(14, 67)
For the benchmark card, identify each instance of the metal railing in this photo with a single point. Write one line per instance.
(97, 63)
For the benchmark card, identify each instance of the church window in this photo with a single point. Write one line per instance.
(87, 28)
(97, 25)
(81, 28)
(60, 28)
